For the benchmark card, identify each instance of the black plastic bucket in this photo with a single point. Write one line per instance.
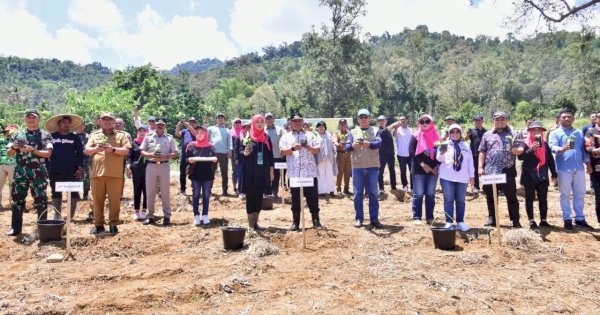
(233, 237)
(50, 230)
(443, 238)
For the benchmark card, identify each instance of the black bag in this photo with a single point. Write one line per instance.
(538, 178)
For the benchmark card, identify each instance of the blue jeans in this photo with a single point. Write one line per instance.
(572, 181)
(361, 178)
(454, 193)
(423, 186)
(201, 187)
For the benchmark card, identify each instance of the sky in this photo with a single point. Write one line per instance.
(122, 33)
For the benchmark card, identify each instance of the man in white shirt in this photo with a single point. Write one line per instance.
(402, 134)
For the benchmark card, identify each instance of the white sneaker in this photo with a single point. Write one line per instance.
(475, 190)
(449, 226)
(196, 220)
(205, 220)
(417, 222)
(143, 215)
(463, 226)
(404, 189)
(243, 196)
(136, 216)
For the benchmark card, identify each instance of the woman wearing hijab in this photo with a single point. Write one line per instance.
(201, 173)
(136, 170)
(457, 171)
(537, 160)
(326, 162)
(257, 168)
(424, 168)
(235, 133)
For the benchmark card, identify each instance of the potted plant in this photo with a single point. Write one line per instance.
(571, 141)
(21, 140)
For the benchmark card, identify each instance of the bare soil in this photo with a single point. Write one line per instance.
(183, 269)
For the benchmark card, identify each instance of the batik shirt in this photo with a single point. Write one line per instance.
(497, 146)
(300, 163)
(29, 164)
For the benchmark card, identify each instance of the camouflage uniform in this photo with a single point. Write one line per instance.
(86, 166)
(30, 173)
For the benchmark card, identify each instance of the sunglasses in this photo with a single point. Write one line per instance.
(237, 122)
(425, 121)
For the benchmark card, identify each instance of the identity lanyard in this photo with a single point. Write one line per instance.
(259, 156)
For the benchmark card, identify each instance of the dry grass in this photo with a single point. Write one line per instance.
(523, 239)
(261, 248)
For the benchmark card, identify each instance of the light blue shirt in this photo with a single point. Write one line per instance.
(220, 138)
(570, 160)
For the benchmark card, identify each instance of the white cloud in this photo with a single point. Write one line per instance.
(258, 23)
(102, 15)
(31, 38)
(167, 43)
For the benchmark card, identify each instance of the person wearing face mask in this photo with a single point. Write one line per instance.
(457, 171)
(537, 160)
(201, 173)
(136, 170)
(497, 154)
(425, 168)
(257, 169)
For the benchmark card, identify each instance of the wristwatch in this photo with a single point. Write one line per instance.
(113, 150)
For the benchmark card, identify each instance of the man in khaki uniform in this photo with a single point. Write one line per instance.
(107, 148)
(158, 147)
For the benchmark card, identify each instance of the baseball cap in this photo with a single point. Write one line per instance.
(499, 114)
(267, 115)
(449, 118)
(143, 127)
(381, 117)
(192, 118)
(107, 115)
(343, 121)
(363, 112)
(478, 117)
(151, 118)
(220, 115)
(32, 112)
(296, 116)
(536, 124)
(161, 121)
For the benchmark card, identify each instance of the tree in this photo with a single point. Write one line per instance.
(550, 12)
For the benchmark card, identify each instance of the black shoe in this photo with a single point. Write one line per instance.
(149, 221)
(12, 232)
(517, 225)
(533, 225)
(113, 229)
(294, 227)
(490, 222)
(584, 225)
(569, 225)
(296, 221)
(166, 221)
(347, 191)
(545, 224)
(97, 230)
(90, 217)
(377, 225)
(332, 194)
(317, 224)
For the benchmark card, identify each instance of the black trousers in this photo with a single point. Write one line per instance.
(391, 163)
(510, 192)
(596, 186)
(311, 195)
(254, 197)
(542, 193)
(405, 163)
(139, 189)
(476, 165)
(182, 176)
(276, 178)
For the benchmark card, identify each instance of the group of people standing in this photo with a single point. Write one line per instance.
(32, 157)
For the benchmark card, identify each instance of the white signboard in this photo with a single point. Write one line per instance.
(493, 179)
(69, 186)
(296, 182)
(281, 165)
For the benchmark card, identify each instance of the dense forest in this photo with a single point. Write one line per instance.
(330, 73)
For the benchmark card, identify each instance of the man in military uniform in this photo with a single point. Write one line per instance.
(32, 147)
(107, 148)
(158, 147)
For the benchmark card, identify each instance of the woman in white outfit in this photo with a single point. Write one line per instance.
(456, 173)
(326, 162)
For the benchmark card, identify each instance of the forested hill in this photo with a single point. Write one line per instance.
(323, 75)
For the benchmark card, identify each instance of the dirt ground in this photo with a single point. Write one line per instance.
(183, 269)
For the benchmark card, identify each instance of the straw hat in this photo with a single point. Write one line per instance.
(52, 123)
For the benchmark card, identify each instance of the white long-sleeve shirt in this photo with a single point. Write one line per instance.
(467, 169)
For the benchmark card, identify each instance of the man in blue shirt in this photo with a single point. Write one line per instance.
(568, 144)
(220, 138)
(186, 135)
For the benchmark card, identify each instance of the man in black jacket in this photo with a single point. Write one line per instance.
(474, 135)
(386, 153)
